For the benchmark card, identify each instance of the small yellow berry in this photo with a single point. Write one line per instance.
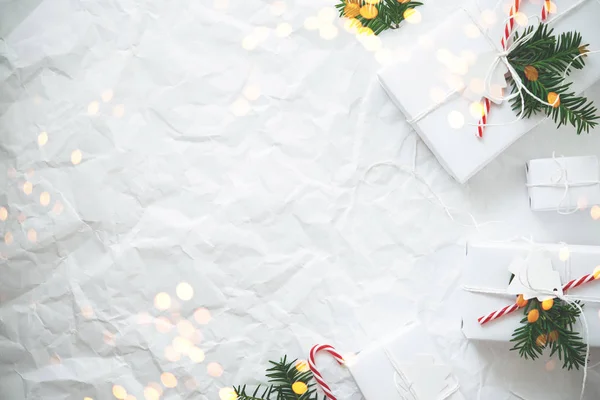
(299, 387)
(541, 340)
(521, 302)
(369, 11)
(553, 336)
(554, 99)
(533, 316)
(547, 304)
(531, 73)
(351, 10)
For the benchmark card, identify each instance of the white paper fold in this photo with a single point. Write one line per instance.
(563, 183)
(485, 266)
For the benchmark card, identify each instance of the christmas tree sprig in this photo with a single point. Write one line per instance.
(541, 63)
(549, 324)
(287, 381)
(377, 15)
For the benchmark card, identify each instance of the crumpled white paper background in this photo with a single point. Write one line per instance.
(191, 188)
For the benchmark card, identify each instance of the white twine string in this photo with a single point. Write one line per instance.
(501, 57)
(553, 293)
(562, 180)
(406, 386)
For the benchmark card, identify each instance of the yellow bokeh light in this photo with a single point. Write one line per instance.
(21, 218)
(521, 19)
(27, 188)
(93, 108)
(32, 235)
(196, 337)
(250, 42)
(42, 138)
(456, 119)
(227, 393)
(76, 157)
(283, 30)
(58, 208)
(119, 392)
(352, 25)
(563, 254)
(162, 301)
(119, 110)
(220, 4)
(214, 369)
(477, 86)
(551, 7)
(8, 238)
(582, 203)
(488, 17)
(130, 397)
(302, 366)
(261, 33)
(151, 393)
(171, 354)
(3, 213)
(202, 316)
(182, 345)
(471, 31)
(107, 95)
(326, 14)
(87, 398)
(45, 198)
(252, 92)
(87, 312)
(240, 107)
(328, 32)
(597, 272)
(372, 43)
(299, 387)
(278, 8)
(311, 23)
(168, 379)
(184, 291)
(186, 328)
(156, 387)
(196, 354)
(412, 16)
(595, 212)
(476, 109)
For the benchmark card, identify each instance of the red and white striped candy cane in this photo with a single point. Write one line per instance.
(508, 27)
(508, 309)
(546, 9)
(318, 377)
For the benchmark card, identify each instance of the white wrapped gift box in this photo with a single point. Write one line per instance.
(404, 366)
(423, 87)
(486, 266)
(563, 183)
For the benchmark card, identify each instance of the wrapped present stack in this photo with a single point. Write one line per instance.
(488, 83)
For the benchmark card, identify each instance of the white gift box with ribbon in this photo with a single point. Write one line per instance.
(404, 366)
(485, 284)
(438, 90)
(563, 184)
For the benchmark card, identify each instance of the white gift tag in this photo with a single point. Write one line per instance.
(534, 277)
(426, 379)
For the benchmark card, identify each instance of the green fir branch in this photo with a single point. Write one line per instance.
(552, 57)
(282, 375)
(390, 13)
(553, 330)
